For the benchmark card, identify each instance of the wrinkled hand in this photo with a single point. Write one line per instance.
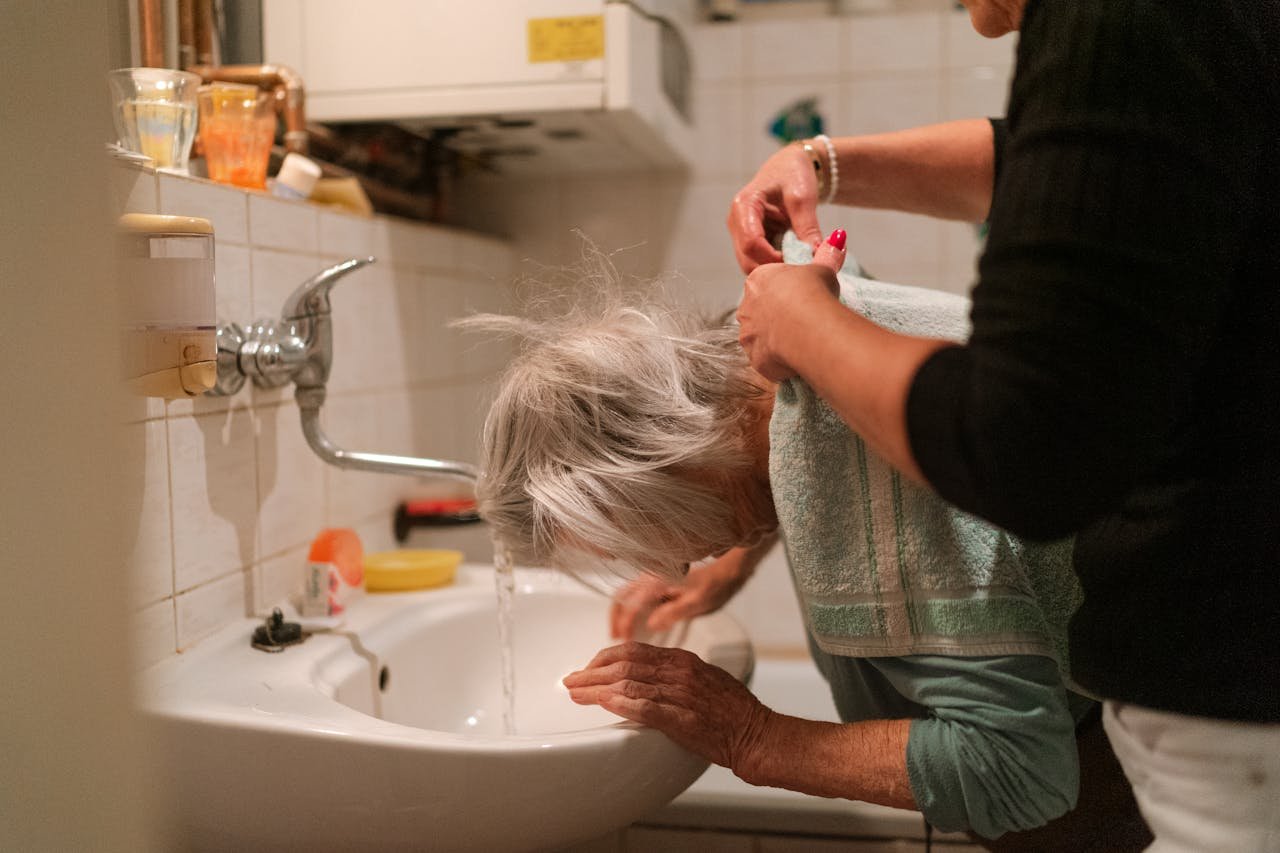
(775, 297)
(782, 195)
(657, 604)
(699, 706)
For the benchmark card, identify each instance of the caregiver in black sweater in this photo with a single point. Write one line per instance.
(1123, 378)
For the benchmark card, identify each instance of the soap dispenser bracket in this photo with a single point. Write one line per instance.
(298, 348)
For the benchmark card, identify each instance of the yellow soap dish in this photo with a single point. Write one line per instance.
(397, 571)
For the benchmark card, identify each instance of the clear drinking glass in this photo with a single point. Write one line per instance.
(155, 113)
(237, 127)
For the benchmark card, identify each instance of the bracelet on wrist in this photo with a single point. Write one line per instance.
(818, 171)
(833, 167)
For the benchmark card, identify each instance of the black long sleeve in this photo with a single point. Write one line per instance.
(1123, 377)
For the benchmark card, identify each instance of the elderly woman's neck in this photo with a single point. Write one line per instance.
(760, 410)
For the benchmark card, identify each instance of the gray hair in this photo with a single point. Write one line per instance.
(617, 434)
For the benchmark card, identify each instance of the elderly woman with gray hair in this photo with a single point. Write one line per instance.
(639, 436)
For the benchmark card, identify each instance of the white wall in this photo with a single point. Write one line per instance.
(70, 776)
(233, 496)
(911, 63)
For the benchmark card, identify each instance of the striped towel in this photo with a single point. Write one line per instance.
(884, 567)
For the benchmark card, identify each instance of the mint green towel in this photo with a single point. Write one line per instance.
(885, 567)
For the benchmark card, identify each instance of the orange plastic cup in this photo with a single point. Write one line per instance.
(237, 127)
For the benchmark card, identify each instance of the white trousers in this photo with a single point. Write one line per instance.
(1203, 785)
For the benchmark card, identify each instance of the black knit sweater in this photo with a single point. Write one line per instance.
(1123, 378)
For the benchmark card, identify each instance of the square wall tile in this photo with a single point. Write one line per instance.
(276, 223)
(134, 409)
(484, 257)
(794, 47)
(290, 482)
(399, 431)
(893, 246)
(207, 608)
(276, 578)
(614, 214)
(377, 534)
(767, 99)
(153, 633)
(699, 239)
(151, 554)
(473, 402)
(275, 275)
(712, 290)
(425, 303)
(718, 146)
(368, 348)
(133, 189)
(766, 606)
(484, 355)
(401, 243)
(467, 353)
(345, 235)
(352, 497)
(718, 50)
(893, 43)
(877, 105)
(978, 92)
(435, 426)
(964, 47)
(213, 483)
(530, 213)
(226, 207)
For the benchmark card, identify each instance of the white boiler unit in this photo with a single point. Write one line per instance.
(535, 86)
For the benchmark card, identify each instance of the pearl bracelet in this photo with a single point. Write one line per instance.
(833, 167)
(818, 171)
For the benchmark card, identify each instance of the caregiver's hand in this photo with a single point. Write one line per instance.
(699, 706)
(657, 604)
(782, 195)
(778, 302)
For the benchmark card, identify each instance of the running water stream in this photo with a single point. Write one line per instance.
(504, 581)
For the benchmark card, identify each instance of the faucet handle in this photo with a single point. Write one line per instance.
(311, 298)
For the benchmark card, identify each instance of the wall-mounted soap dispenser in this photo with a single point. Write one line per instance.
(166, 279)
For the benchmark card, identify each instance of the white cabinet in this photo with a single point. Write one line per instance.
(539, 85)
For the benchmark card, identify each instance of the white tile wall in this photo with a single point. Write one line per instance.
(801, 47)
(890, 44)
(226, 207)
(214, 493)
(232, 494)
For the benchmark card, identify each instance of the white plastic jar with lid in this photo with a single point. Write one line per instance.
(297, 177)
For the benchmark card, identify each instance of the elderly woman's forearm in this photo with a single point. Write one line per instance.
(856, 761)
(941, 170)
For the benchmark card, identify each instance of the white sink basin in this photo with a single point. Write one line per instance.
(389, 735)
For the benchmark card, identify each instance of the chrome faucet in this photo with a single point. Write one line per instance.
(299, 348)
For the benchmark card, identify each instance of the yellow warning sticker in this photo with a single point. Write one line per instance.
(572, 39)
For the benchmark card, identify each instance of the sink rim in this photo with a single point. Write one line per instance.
(222, 681)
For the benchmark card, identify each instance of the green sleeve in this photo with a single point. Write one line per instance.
(995, 750)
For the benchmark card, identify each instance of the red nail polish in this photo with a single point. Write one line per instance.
(837, 238)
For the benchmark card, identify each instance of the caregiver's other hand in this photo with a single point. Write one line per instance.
(699, 706)
(657, 604)
(782, 195)
(776, 299)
